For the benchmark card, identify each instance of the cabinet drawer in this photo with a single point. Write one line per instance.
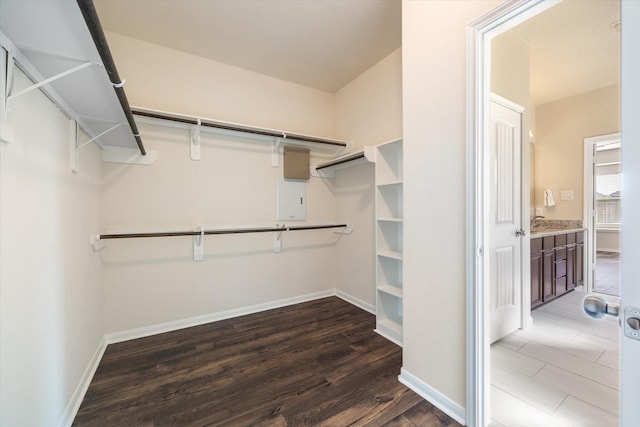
(561, 240)
(571, 238)
(561, 254)
(561, 269)
(561, 285)
(580, 237)
(536, 245)
(548, 242)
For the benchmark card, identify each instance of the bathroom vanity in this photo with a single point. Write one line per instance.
(557, 263)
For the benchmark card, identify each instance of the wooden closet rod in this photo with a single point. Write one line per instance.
(235, 127)
(209, 232)
(93, 24)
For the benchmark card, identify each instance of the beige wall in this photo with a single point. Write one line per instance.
(169, 80)
(50, 279)
(434, 117)
(368, 112)
(369, 109)
(152, 282)
(561, 127)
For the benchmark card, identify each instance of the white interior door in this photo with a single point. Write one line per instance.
(505, 219)
(630, 347)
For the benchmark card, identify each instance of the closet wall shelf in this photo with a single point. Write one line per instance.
(327, 169)
(69, 60)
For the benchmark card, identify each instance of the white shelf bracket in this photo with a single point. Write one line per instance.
(9, 96)
(8, 83)
(76, 146)
(198, 245)
(95, 242)
(277, 238)
(195, 141)
(346, 230)
(275, 151)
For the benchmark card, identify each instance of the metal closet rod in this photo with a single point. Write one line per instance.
(234, 127)
(93, 24)
(345, 159)
(210, 232)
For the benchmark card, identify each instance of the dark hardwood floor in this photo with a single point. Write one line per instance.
(313, 364)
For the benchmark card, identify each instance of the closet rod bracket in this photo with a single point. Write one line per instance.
(348, 229)
(275, 150)
(76, 146)
(198, 245)
(195, 141)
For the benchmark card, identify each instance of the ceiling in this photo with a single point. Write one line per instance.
(572, 49)
(323, 44)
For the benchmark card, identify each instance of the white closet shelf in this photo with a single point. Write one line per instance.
(390, 184)
(391, 254)
(391, 290)
(327, 169)
(399, 220)
(61, 47)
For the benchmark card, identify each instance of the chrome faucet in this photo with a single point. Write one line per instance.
(534, 220)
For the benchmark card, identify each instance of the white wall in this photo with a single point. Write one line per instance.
(50, 279)
(434, 113)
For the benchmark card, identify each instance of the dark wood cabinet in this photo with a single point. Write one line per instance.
(536, 272)
(556, 266)
(579, 258)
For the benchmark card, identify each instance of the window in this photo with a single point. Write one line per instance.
(608, 200)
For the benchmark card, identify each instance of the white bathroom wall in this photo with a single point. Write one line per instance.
(51, 322)
(561, 127)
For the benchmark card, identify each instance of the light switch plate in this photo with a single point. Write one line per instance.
(291, 202)
(566, 195)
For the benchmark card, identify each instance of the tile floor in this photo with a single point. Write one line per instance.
(608, 273)
(562, 371)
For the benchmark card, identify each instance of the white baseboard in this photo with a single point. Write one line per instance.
(355, 301)
(434, 397)
(83, 385)
(175, 325)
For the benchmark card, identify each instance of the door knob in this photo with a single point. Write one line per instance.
(520, 233)
(596, 307)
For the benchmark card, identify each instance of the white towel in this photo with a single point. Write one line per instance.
(548, 198)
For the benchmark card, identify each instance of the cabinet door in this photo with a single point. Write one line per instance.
(548, 288)
(571, 266)
(579, 264)
(536, 279)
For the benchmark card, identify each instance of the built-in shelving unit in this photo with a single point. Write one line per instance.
(389, 226)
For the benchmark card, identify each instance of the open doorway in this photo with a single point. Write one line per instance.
(603, 212)
(563, 367)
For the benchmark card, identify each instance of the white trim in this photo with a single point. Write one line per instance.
(83, 385)
(479, 33)
(433, 396)
(355, 301)
(175, 325)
